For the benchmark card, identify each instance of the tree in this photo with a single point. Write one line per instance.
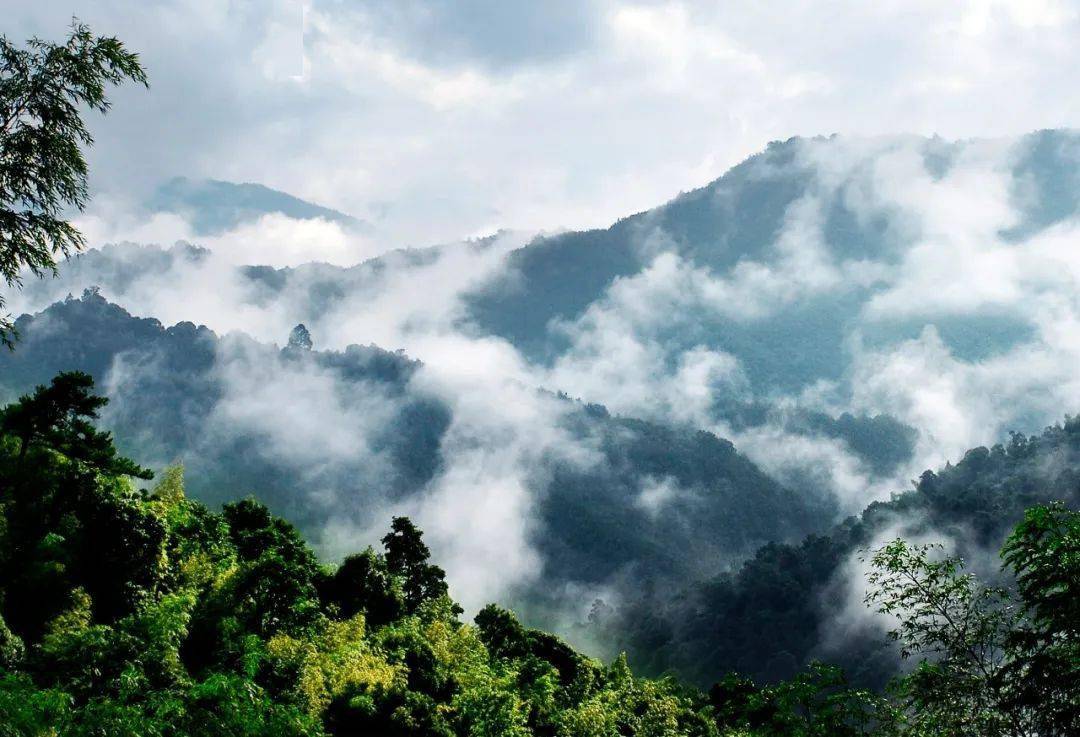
(362, 583)
(407, 556)
(43, 171)
(818, 702)
(995, 662)
(959, 627)
(300, 338)
(58, 417)
(1044, 555)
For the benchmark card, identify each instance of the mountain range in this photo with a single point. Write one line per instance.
(626, 433)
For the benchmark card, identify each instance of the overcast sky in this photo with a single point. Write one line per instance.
(439, 119)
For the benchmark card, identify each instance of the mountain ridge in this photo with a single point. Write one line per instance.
(214, 206)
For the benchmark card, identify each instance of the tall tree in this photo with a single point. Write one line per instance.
(407, 557)
(1044, 555)
(44, 89)
(958, 627)
(60, 417)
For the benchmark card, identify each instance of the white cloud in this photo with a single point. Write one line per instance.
(657, 494)
(447, 119)
(618, 355)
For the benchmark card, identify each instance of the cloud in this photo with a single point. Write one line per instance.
(618, 356)
(959, 262)
(482, 508)
(504, 433)
(453, 118)
(847, 618)
(302, 413)
(488, 32)
(273, 239)
(657, 494)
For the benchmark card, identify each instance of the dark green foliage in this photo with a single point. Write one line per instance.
(233, 705)
(43, 172)
(364, 583)
(57, 417)
(815, 703)
(506, 638)
(273, 589)
(393, 713)
(61, 531)
(994, 661)
(769, 618)
(407, 558)
(1044, 555)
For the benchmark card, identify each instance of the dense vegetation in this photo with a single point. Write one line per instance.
(776, 612)
(127, 611)
(178, 383)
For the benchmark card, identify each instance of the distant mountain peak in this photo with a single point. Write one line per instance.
(214, 206)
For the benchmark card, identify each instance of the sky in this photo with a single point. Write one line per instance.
(445, 119)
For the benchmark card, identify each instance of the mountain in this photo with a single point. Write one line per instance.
(792, 603)
(828, 188)
(213, 206)
(356, 430)
(815, 275)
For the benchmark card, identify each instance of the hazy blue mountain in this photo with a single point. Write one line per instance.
(732, 226)
(738, 219)
(213, 206)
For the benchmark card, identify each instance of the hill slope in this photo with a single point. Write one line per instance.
(337, 439)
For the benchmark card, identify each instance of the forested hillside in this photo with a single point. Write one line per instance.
(792, 603)
(606, 512)
(128, 612)
(128, 609)
(824, 190)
